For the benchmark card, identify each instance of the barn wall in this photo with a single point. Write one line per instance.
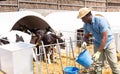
(98, 5)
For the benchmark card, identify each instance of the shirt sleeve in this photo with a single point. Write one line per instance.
(103, 25)
(85, 30)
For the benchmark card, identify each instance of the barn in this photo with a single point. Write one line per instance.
(67, 20)
(67, 23)
(13, 20)
(63, 21)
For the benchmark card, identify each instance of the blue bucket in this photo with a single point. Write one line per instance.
(71, 70)
(85, 59)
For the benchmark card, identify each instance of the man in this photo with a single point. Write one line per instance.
(103, 37)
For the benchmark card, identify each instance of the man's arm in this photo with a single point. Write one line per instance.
(103, 42)
(102, 45)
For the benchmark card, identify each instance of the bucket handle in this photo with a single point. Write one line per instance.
(81, 52)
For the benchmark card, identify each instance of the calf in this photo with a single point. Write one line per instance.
(51, 38)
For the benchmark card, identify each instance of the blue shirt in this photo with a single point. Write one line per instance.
(97, 26)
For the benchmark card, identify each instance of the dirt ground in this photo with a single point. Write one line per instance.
(55, 68)
(65, 60)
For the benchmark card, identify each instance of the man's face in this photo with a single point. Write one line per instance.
(87, 18)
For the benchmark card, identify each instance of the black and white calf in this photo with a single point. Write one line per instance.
(48, 39)
(16, 36)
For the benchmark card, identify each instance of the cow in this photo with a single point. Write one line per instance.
(47, 39)
(35, 37)
(16, 36)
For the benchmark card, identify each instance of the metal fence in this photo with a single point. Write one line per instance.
(63, 58)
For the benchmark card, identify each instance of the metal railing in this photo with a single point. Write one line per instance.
(69, 54)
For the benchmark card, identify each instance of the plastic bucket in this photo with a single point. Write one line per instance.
(85, 59)
(71, 70)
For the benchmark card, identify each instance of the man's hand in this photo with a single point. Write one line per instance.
(96, 55)
(83, 46)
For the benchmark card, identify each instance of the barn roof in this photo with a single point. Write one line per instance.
(12, 20)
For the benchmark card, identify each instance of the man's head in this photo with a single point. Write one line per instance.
(85, 15)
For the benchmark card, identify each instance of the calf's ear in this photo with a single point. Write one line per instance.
(19, 38)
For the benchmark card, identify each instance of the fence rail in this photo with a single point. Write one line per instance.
(63, 58)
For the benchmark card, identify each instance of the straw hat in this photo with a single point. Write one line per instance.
(99, 15)
(83, 12)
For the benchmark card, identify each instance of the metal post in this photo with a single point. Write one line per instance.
(106, 5)
(0, 62)
(58, 3)
(84, 3)
(41, 58)
(18, 5)
(67, 53)
(37, 65)
(45, 57)
(58, 47)
(72, 51)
